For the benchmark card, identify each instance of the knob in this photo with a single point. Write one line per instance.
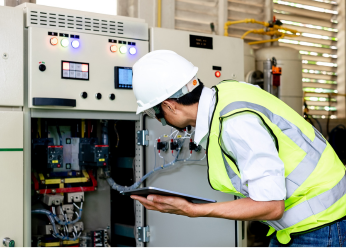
(112, 97)
(42, 67)
(84, 95)
(98, 96)
(7, 242)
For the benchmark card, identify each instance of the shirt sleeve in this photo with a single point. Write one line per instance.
(247, 140)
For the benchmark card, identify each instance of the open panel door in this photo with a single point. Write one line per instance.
(190, 177)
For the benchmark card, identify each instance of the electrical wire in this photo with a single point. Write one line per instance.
(120, 188)
(116, 132)
(53, 217)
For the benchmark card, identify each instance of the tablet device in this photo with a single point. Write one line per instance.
(153, 190)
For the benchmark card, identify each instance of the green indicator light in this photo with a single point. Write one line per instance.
(123, 49)
(64, 43)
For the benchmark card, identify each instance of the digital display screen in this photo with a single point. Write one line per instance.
(123, 77)
(75, 70)
(202, 42)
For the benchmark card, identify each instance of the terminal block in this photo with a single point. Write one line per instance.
(98, 238)
(91, 154)
(78, 226)
(52, 199)
(75, 197)
(48, 229)
(65, 209)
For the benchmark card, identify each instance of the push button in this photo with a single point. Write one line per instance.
(98, 96)
(112, 97)
(42, 67)
(84, 95)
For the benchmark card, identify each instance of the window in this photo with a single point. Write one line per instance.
(317, 22)
(2, 2)
(100, 6)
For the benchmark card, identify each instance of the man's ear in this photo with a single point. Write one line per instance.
(169, 106)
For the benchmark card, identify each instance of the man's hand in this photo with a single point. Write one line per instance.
(241, 209)
(167, 204)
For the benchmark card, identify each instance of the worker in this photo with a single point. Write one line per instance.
(257, 147)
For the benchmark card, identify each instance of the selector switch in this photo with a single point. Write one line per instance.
(98, 96)
(42, 67)
(84, 95)
(112, 97)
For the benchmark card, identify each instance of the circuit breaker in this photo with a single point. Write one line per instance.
(91, 154)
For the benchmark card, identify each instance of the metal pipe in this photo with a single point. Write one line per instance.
(267, 75)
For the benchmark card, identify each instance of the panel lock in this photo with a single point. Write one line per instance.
(7, 242)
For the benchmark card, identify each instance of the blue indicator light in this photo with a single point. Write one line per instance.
(133, 50)
(75, 44)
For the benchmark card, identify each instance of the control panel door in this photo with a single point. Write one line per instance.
(190, 177)
(11, 56)
(11, 177)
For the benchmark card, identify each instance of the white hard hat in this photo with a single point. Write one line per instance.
(158, 75)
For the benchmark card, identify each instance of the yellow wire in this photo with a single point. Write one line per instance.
(83, 128)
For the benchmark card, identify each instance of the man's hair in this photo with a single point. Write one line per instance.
(192, 97)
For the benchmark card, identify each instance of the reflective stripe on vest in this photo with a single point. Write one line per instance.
(310, 207)
(236, 181)
(313, 149)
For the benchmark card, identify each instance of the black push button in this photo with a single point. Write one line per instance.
(98, 96)
(42, 67)
(84, 95)
(112, 97)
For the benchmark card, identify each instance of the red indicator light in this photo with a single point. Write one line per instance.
(217, 73)
(58, 165)
(104, 164)
(114, 48)
(54, 41)
(66, 66)
(85, 67)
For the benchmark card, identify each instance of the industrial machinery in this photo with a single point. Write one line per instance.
(272, 62)
(290, 82)
(68, 112)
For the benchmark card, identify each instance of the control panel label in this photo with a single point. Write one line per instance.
(202, 42)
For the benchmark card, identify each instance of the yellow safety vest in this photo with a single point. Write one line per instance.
(314, 175)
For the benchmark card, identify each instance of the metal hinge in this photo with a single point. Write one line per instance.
(143, 234)
(141, 137)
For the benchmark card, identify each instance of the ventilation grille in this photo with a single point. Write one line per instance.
(63, 21)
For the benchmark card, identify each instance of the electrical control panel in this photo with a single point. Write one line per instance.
(217, 57)
(82, 61)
